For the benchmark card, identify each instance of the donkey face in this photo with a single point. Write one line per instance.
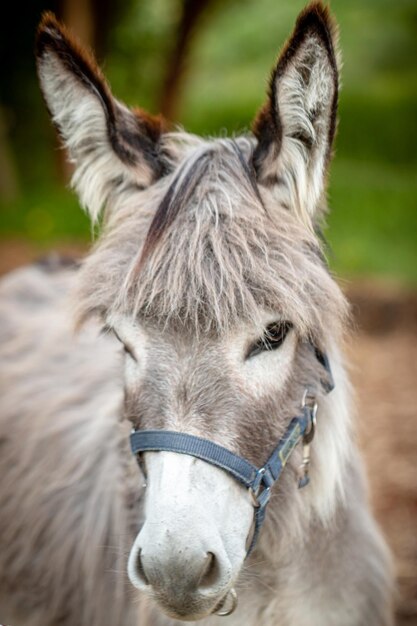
(210, 274)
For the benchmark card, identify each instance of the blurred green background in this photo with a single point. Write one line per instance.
(206, 64)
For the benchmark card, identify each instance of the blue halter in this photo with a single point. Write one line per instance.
(258, 480)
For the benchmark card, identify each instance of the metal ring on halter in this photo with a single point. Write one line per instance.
(224, 612)
(254, 493)
(309, 399)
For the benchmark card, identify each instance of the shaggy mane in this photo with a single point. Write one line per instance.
(204, 247)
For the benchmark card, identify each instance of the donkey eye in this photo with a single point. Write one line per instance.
(273, 338)
(126, 348)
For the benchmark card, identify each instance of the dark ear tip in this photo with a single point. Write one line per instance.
(317, 17)
(49, 31)
(54, 37)
(48, 20)
(318, 8)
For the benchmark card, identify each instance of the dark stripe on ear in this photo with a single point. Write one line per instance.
(314, 20)
(147, 139)
(139, 133)
(132, 135)
(268, 131)
(54, 37)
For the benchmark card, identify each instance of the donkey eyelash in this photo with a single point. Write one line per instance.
(273, 338)
(126, 348)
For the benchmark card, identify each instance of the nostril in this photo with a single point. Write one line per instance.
(140, 570)
(210, 573)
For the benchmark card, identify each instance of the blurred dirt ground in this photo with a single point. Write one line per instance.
(383, 353)
(383, 356)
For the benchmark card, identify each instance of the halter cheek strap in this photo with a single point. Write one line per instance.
(258, 480)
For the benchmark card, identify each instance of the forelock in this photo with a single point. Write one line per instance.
(206, 248)
(213, 178)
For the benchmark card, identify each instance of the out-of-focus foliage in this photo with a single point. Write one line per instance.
(373, 182)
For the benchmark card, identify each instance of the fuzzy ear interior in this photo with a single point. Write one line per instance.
(109, 143)
(296, 127)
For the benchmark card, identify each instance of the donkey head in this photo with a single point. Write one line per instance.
(210, 273)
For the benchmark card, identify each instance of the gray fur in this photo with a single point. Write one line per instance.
(63, 546)
(231, 255)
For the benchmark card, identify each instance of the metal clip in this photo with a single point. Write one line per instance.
(309, 400)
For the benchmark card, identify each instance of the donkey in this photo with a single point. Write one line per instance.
(208, 315)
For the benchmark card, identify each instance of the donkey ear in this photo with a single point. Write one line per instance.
(110, 144)
(296, 126)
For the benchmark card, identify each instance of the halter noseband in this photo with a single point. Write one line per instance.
(258, 480)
